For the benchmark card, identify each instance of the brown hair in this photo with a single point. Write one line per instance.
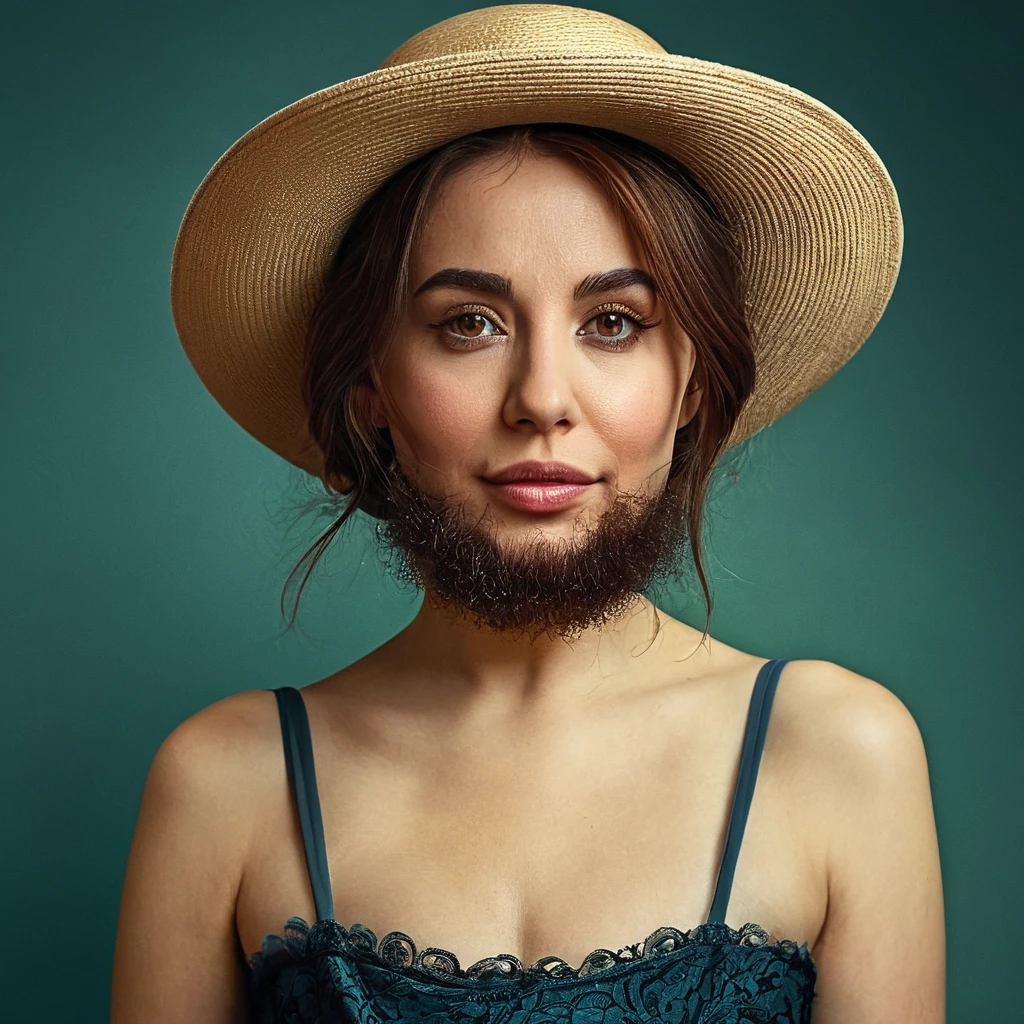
(693, 257)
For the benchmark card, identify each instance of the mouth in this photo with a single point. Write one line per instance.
(540, 496)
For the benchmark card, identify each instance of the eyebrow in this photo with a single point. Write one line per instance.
(495, 284)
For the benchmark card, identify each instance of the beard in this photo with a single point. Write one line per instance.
(535, 586)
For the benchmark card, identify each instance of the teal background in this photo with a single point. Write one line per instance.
(146, 537)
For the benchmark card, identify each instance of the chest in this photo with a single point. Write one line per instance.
(542, 849)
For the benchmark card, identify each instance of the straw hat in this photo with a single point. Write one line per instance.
(817, 214)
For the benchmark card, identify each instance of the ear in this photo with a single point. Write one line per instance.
(690, 404)
(372, 405)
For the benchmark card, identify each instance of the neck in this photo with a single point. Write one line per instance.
(472, 665)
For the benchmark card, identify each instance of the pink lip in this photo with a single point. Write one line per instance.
(541, 472)
(541, 497)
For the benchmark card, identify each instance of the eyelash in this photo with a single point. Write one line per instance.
(641, 324)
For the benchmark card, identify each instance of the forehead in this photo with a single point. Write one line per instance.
(542, 217)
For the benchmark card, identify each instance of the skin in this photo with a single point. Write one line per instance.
(541, 798)
(538, 376)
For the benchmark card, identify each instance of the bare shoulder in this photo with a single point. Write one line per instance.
(881, 952)
(857, 723)
(185, 866)
(224, 742)
(220, 763)
(208, 772)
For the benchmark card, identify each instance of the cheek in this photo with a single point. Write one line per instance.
(444, 416)
(637, 417)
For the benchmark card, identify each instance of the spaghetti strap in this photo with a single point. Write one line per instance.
(750, 759)
(298, 759)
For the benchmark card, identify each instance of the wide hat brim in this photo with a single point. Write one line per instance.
(817, 214)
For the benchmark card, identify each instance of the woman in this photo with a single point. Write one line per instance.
(481, 293)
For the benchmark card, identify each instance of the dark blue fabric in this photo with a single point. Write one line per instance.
(710, 974)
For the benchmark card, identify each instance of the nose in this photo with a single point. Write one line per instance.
(541, 391)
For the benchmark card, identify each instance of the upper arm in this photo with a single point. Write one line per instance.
(176, 955)
(881, 953)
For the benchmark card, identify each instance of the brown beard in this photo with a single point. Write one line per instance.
(556, 587)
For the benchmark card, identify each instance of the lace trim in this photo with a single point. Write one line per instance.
(397, 951)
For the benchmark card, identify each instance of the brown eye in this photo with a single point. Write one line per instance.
(611, 321)
(617, 330)
(472, 325)
(461, 329)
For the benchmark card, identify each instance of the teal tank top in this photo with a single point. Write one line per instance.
(326, 973)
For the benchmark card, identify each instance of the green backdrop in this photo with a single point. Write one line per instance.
(146, 537)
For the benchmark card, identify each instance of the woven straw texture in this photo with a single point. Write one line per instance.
(817, 213)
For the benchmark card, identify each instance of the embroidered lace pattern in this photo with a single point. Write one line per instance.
(397, 950)
(711, 974)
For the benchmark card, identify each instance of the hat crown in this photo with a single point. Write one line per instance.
(528, 27)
